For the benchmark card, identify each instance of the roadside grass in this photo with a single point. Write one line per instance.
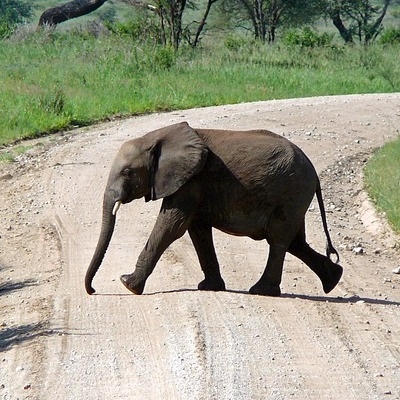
(53, 80)
(10, 154)
(382, 180)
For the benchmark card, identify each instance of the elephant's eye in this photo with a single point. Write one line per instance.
(126, 172)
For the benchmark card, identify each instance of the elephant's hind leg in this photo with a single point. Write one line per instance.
(328, 272)
(201, 236)
(269, 283)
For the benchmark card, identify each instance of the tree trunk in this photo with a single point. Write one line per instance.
(202, 23)
(344, 32)
(73, 9)
(374, 30)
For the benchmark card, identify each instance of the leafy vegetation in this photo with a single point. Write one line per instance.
(52, 80)
(390, 36)
(382, 177)
(307, 37)
(13, 12)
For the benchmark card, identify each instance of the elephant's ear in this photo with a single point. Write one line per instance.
(178, 155)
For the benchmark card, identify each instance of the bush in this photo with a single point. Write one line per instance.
(306, 37)
(15, 11)
(235, 43)
(390, 36)
(164, 58)
(6, 29)
(141, 29)
(12, 13)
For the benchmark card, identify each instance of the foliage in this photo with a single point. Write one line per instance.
(307, 37)
(382, 177)
(164, 58)
(235, 43)
(13, 12)
(390, 36)
(142, 28)
(264, 17)
(110, 75)
(363, 18)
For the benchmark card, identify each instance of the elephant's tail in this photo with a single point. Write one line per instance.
(329, 246)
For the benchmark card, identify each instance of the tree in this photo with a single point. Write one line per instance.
(170, 14)
(66, 11)
(363, 18)
(266, 16)
(13, 12)
(194, 41)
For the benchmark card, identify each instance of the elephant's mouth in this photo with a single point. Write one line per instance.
(118, 203)
(116, 207)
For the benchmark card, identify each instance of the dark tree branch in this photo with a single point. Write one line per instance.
(374, 30)
(203, 22)
(73, 9)
(344, 32)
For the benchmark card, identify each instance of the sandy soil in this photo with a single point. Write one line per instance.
(175, 342)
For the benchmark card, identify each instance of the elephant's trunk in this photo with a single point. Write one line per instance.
(107, 228)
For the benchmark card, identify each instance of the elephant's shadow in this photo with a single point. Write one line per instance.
(326, 299)
(342, 300)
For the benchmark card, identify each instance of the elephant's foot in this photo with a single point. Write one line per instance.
(132, 283)
(215, 285)
(266, 290)
(333, 273)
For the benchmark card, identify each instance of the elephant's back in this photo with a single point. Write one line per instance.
(257, 159)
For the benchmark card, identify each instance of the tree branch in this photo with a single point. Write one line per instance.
(73, 9)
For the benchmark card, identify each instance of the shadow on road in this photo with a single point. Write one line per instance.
(17, 335)
(13, 286)
(344, 300)
(325, 299)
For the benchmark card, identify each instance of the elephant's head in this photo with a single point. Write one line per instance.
(153, 166)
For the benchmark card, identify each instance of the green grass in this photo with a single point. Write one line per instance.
(54, 80)
(382, 179)
(11, 153)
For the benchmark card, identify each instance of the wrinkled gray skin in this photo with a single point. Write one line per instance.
(249, 183)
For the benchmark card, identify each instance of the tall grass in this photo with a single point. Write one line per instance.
(53, 80)
(382, 179)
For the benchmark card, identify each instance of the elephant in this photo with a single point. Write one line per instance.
(251, 183)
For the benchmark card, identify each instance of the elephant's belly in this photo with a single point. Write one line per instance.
(253, 226)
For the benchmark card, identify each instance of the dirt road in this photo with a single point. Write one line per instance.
(175, 342)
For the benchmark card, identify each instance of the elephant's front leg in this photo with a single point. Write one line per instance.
(172, 222)
(201, 236)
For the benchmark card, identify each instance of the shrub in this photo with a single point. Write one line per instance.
(234, 43)
(6, 29)
(13, 12)
(142, 29)
(390, 36)
(164, 58)
(306, 37)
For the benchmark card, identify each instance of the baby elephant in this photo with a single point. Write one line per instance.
(245, 183)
